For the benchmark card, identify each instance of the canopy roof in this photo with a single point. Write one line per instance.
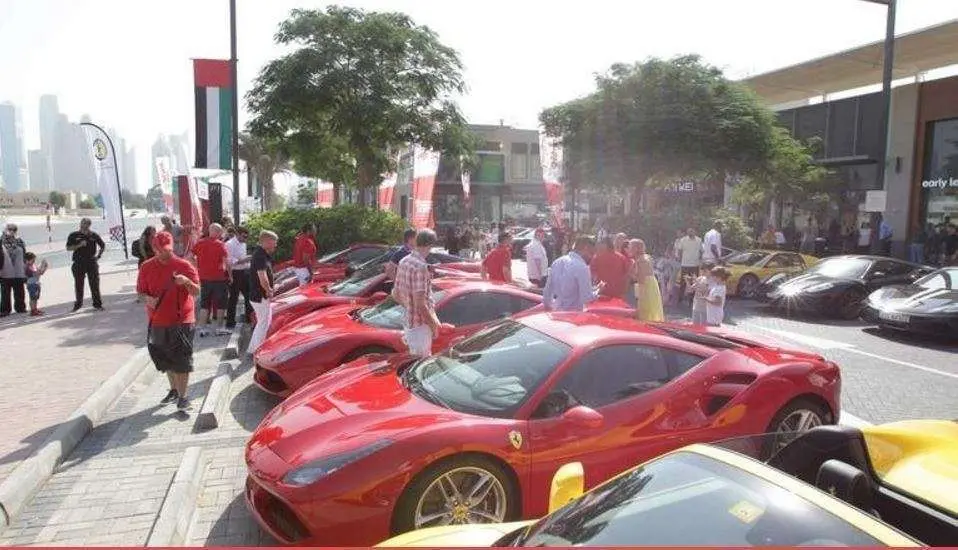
(916, 52)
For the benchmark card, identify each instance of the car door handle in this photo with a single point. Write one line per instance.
(725, 390)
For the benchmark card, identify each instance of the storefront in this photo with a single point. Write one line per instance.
(935, 183)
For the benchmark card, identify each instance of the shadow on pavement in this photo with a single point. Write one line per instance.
(926, 341)
(236, 527)
(123, 321)
(250, 405)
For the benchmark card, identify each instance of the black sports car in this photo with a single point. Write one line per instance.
(929, 305)
(838, 286)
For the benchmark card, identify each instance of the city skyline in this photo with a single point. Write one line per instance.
(518, 57)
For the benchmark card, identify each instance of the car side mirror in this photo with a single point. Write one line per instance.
(379, 296)
(568, 484)
(584, 417)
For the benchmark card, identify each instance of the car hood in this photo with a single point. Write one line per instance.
(912, 298)
(804, 281)
(455, 536)
(356, 405)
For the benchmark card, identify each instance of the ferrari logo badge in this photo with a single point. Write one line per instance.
(515, 438)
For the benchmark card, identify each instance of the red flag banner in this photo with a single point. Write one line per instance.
(424, 171)
(324, 194)
(386, 189)
(550, 156)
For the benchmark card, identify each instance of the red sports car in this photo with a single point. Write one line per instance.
(391, 443)
(322, 340)
(367, 286)
(331, 267)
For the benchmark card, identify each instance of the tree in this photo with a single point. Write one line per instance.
(98, 200)
(133, 200)
(356, 87)
(58, 199)
(154, 199)
(87, 204)
(660, 121)
(264, 157)
(306, 192)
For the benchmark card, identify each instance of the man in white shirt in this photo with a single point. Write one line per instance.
(713, 244)
(690, 256)
(238, 260)
(537, 261)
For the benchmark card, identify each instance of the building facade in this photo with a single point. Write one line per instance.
(13, 162)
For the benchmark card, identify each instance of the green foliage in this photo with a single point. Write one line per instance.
(264, 157)
(355, 88)
(133, 200)
(58, 199)
(306, 193)
(659, 228)
(662, 120)
(154, 199)
(86, 204)
(336, 228)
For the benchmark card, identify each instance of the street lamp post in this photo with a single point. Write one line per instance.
(235, 109)
(888, 63)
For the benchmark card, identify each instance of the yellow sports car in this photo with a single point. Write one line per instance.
(894, 484)
(751, 267)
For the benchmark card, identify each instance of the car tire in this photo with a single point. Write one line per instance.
(791, 415)
(851, 304)
(747, 286)
(414, 501)
(366, 350)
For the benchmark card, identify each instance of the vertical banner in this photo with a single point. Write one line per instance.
(104, 161)
(550, 155)
(164, 177)
(214, 113)
(324, 194)
(386, 189)
(424, 170)
(191, 211)
(216, 201)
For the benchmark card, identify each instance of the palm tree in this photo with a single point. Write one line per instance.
(263, 158)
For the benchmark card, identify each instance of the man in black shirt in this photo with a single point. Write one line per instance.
(408, 243)
(87, 247)
(261, 287)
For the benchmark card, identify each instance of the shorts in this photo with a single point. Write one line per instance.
(171, 348)
(214, 292)
(34, 291)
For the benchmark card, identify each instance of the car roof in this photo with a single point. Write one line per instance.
(871, 258)
(455, 283)
(585, 329)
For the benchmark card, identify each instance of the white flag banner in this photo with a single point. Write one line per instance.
(107, 178)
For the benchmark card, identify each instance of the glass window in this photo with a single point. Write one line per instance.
(935, 281)
(492, 373)
(492, 168)
(746, 258)
(332, 256)
(364, 254)
(891, 269)
(605, 376)
(519, 165)
(481, 307)
(686, 499)
(842, 268)
(358, 283)
(939, 185)
(681, 362)
(388, 313)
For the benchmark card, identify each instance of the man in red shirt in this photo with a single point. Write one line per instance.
(168, 285)
(213, 267)
(612, 268)
(497, 266)
(304, 254)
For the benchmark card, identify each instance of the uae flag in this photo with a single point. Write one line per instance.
(214, 113)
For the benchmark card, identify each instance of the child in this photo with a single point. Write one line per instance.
(700, 290)
(715, 301)
(34, 273)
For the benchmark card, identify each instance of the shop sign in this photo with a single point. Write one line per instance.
(940, 183)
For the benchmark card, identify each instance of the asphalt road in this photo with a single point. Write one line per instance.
(886, 376)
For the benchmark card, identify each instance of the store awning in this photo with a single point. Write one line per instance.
(916, 52)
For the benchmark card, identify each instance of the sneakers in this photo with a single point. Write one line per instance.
(183, 404)
(76, 307)
(170, 397)
(36, 313)
(203, 332)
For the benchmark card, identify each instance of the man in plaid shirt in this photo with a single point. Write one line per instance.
(413, 291)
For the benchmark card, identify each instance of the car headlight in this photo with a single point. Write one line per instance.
(819, 287)
(287, 302)
(315, 470)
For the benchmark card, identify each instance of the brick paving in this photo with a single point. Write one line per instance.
(51, 364)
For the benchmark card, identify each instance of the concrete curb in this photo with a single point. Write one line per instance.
(24, 481)
(173, 522)
(232, 350)
(217, 398)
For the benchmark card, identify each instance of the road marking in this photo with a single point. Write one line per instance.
(822, 343)
(848, 419)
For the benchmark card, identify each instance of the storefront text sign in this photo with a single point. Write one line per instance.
(940, 183)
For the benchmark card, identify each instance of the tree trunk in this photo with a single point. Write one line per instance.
(336, 187)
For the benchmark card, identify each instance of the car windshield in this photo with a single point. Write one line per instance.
(358, 282)
(330, 257)
(944, 279)
(841, 268)
(687, 499)
(490, 374)
(745, 258)
(388, 313)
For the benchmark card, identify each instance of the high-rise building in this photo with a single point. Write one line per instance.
(72, 166)
(40, 170)
(128, 175)
(13, 162)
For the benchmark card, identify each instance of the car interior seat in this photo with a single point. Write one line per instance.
(848, 483)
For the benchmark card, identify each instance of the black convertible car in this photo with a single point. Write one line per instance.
(838, 286)
(929, 305)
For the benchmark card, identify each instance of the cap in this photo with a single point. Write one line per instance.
(163, 241)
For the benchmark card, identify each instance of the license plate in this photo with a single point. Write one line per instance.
(894, 316)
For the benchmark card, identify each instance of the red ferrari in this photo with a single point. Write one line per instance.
(331, 267)
(367, 286)
(387, 444)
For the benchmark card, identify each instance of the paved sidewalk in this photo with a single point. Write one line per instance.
(51, 364)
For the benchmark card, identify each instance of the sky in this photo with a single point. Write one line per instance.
(127, 62)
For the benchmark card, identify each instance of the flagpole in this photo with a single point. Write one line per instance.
(119, 189)
(233, 71)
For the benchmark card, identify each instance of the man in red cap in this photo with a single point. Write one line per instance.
(168, 285)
